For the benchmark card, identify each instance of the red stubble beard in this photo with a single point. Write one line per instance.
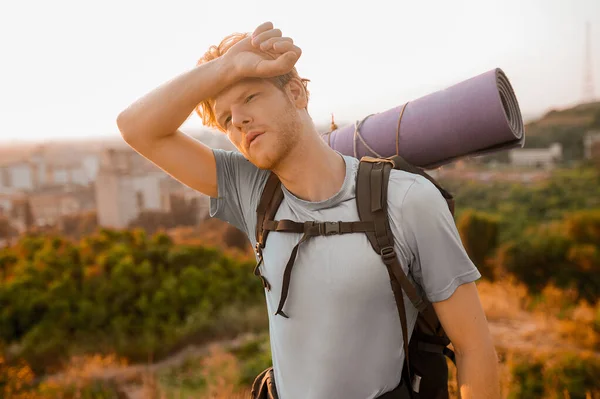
(271, 147)
(264, 150)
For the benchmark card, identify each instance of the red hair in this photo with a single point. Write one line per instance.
(205, 109)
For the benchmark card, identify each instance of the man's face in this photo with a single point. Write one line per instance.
(260, 119)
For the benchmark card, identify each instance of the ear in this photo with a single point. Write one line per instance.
(297, 93)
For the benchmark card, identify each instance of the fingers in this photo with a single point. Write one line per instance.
(277, 44)
(262, 28)
(290, 58)
(279, 66)
(281, 52)
(261, 37)
(287, 47)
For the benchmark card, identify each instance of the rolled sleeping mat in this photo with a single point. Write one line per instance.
(478, 116)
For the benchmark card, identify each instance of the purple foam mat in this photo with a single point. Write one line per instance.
(478, 116)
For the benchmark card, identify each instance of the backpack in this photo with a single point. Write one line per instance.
(425, 367)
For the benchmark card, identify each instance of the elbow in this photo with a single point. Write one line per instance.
(122, 122)
(124, 127)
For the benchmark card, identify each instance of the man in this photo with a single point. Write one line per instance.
(343, 336)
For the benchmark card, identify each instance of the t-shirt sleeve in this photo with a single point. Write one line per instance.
(240, 184)
(440, 261)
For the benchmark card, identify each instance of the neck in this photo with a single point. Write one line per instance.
(312, 171)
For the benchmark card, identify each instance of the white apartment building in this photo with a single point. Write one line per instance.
(537, 157)
(127, 184)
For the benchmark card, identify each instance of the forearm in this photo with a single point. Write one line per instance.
(162, 111)
(478, 374)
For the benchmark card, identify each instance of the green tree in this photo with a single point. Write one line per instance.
(139, 295)
(479, 234)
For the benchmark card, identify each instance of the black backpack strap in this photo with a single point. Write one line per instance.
(263, 386)
(431, 322)
(371, 197)
(267, 208)
(270, 200)
(308, 230)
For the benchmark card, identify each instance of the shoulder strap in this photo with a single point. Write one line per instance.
(371, 196)
(270, 200)
(265, 214)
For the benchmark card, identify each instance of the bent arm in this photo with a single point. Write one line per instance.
(446, 273)
(464, 321)
(150, 125)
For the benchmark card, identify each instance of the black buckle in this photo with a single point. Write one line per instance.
(388, 253)
(329, 228)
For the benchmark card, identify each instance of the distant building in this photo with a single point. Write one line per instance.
(46, 206)
(38, 169)
(170, 188)
(65, 167)
(125, 185)
(52, 184)
(19, 175)
(537, 157)
(591, 145)
(128, 184)
(6, 198)
(50, 204)
(67, 173)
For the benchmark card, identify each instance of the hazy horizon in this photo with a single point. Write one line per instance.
(72, 67)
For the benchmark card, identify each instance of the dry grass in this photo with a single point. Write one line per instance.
(555, 320)
(221, 370)
(504, 300)
(570, 322)
(578, 328)
(216, 234)
(87, 368)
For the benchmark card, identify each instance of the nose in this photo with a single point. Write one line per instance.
(240, 119)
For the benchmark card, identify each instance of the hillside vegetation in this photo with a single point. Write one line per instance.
(114, 297)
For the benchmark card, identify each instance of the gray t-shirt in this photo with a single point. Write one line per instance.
(343, 338)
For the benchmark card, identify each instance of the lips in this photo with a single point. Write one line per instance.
(251, 136)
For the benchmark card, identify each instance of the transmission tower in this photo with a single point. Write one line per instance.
(588, 79)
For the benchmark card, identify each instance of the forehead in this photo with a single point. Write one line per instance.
(231, 93)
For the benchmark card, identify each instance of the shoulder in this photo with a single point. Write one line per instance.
(233, 164)
(231, 156)
(410, 192)
(240, 184)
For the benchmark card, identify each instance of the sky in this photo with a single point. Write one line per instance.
(69, 67)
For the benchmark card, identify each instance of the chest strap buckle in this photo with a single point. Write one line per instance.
(329, 228)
